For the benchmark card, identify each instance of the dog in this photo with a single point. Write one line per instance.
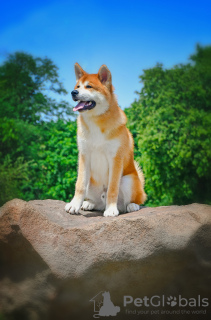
(108, 308)
(108, 179)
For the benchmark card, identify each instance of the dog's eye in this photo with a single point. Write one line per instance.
(78, 86)
(88, 87)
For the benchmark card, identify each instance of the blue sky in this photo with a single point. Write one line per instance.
(127, 36)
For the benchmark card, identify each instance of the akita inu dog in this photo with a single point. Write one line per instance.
(108, 177)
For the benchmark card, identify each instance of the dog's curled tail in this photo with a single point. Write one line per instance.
(140, 173)
(141, 178)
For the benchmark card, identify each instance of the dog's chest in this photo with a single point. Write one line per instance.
(95, 141)
(95, 145)
(96, 138)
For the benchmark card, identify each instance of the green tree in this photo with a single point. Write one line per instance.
(11, 175)
(24, 81)
(172, 124)
(26, 130)
(53, 173)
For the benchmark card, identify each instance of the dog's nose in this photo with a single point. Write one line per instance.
(74, 92)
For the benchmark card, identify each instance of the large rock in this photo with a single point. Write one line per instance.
(52, 263)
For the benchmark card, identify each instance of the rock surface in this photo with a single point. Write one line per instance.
(53, 263)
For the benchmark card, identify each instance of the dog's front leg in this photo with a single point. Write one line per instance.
(115, 174)
(80, 190)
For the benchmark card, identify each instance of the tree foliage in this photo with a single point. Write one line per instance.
(53, 173)
(11, 175)
(31, 155)
(172, 125)
(24, 81)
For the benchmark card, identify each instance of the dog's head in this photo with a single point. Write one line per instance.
(92, 91)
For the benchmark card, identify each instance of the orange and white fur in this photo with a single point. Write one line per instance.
(108, 177)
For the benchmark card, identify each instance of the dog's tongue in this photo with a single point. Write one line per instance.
(79, 106)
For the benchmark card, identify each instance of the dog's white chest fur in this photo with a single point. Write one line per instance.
(94, 144)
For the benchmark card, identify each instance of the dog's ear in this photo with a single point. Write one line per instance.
(104, 75)
(79, 72)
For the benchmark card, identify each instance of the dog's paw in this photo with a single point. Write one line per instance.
(86, 206)
(111, 212)
(73, 207)
(132, 207)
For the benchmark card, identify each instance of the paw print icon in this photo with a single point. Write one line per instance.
(171, 301)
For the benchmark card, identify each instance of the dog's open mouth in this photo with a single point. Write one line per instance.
(84, 105)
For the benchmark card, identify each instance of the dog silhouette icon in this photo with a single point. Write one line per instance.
(107, 308)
